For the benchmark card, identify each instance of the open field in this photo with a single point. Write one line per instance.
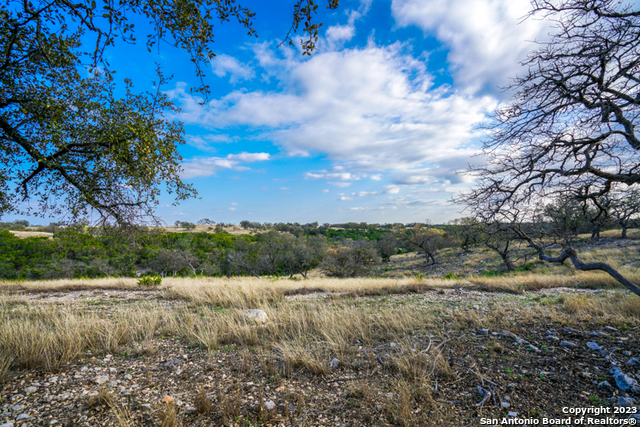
(405, 352)
(25, 234)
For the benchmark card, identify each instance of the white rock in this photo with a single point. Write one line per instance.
(256, 315)
(269, 405)
(128, 377)
(22, 417)
(30, 390)
(334, 363)
(6, 425)
(101, 379)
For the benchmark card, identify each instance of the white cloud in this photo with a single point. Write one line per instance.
(222, 64)
(207, 142)
(486, 38)
(285, 188)
(343, 176)
(249, 157)
(325, 191)
(368, 193)
(392, 189)
(340, 184)
(338, 34)
(207, 166)
(369, 110)
(345, 198)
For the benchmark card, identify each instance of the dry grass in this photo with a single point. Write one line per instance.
(309, 332)
(231, 229)
(229, 406)
(246, 292)
(70, 285)
(608, 308)
(168, 415)
(302, 336)
(202, 402)
(517, 283)
(25, 234)
(48, 336)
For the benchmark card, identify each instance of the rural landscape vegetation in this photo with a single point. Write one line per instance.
(524, 305)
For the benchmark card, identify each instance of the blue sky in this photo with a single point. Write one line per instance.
(373, 127)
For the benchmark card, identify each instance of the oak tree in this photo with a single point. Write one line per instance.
(68, 143)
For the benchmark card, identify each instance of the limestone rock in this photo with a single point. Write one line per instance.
(256, 315)
(604, 385)
(593, 346)
(101, 379)
(568, 344)
(623, 381)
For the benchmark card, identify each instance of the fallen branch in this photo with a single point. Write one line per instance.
(335, 380)
(486, 396)
(570, 253)
(477, 374)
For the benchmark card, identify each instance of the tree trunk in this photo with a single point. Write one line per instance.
(624, 231)
(431, 257)
(570, 253)
(506, 259)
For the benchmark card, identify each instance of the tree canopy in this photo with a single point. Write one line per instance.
(572, 121)
(70, 145)
(570, 128)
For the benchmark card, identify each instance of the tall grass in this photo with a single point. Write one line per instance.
(36, 336)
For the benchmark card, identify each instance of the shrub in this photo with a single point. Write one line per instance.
(154, 280)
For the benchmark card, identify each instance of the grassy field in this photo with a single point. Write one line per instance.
(405, 351)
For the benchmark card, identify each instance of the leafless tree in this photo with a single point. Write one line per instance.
(625, 207)
(572, 121)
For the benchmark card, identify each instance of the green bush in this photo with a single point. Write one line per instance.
(154, 280)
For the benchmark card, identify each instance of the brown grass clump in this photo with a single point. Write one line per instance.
(202, 402)
(5, 364)
(123, 416)
(103, 398)
(309, 359)
(229, 405)
(616, 307)
(168, 415)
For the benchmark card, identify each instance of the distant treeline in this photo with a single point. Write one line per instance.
(76, 254)
(343, 250)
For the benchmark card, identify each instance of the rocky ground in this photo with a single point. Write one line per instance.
(530, 367)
